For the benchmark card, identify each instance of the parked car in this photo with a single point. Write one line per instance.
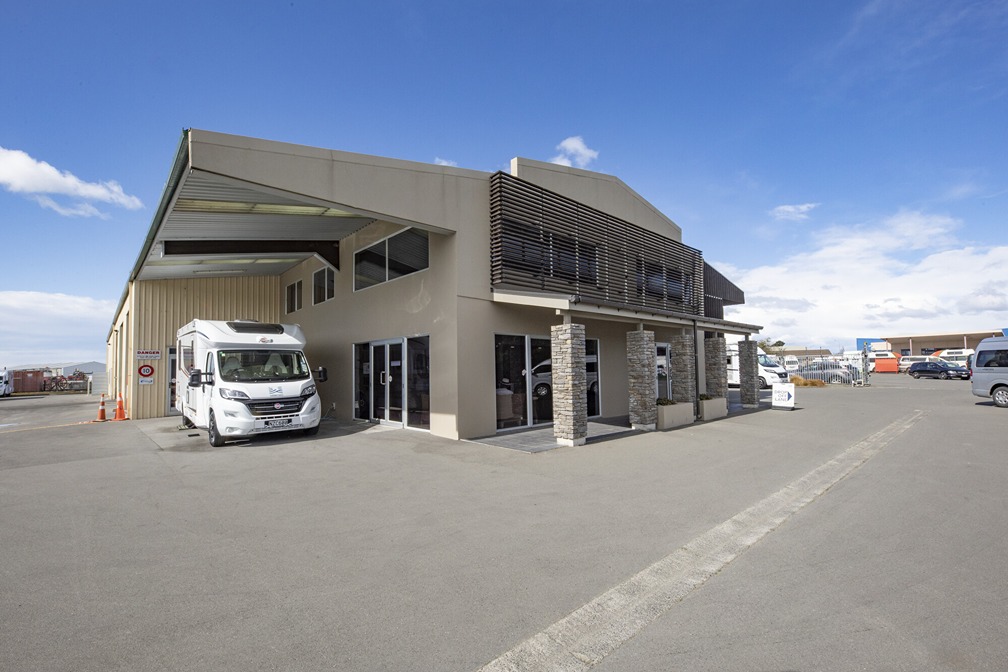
(942, 370)
(990, 370)
(542, 376)
(828, 372)
(907, 361)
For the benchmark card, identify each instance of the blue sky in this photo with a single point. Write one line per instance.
(845, 163)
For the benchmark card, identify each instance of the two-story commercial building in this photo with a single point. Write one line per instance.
(455, 301)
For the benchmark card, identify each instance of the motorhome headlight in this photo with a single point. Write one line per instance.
(232, 394)
(308, 391)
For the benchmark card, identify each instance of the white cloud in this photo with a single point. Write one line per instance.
(21, 174)
(42, 328)
(79, 210)
(904, 275)
(444, 162)
(574, 152)
(793, 213)
(988, 297)
(961, 191)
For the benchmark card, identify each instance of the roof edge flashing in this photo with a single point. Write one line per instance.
(574, 183)
(182, 161)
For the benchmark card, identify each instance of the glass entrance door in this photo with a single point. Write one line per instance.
(392, 382)
(663, 381)
(387, 382)
(172, 373)
(542, 380)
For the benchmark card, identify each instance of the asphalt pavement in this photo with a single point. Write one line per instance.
(864, 530)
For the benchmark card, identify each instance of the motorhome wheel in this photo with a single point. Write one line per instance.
(216, 440)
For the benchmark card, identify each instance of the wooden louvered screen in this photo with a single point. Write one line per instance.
(545, 242)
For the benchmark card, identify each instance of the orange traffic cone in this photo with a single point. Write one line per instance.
(101, 410)
(120, 413)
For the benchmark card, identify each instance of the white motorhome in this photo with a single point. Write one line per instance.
(6, 383)
(240, 378)
(769, 371)
(958, 356)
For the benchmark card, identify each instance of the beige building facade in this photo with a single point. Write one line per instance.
(925, 344)
(431, 294)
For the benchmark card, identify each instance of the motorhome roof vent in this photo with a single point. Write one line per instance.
(249, 327)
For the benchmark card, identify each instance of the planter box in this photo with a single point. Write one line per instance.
(712, 409)
(675, 415)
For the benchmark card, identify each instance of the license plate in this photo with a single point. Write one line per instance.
(278, 423)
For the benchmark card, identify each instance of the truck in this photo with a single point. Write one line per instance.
(6, 383)
(769, 371)
(240, 378)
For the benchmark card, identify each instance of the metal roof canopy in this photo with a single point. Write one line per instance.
(215, 225)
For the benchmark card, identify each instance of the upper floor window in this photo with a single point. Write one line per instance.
(323, 285)
(655, 280)
(293, 297)
(550, 255)
(402, 254)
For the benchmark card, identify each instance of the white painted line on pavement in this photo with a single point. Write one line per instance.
(584, 637)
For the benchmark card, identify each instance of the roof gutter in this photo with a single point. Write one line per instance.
(174, 178)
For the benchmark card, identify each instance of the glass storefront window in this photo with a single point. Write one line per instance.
(524, 389)
(511, 393)
(418, 382)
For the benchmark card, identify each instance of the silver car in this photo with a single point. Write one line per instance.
(828, 372)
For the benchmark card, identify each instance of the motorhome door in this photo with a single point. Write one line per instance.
(203, 394)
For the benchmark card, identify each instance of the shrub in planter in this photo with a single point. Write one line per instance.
(712, 408)
(670, 414)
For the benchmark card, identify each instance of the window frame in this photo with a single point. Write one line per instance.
(328, 285)
(297, 295)
(384, 254)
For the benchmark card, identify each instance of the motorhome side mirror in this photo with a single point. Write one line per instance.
(195, 378)
(321, 375)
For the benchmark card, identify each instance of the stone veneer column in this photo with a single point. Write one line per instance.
(716, 364)
(642, 363)
(683, 368)
(570, 384)
(748, 373)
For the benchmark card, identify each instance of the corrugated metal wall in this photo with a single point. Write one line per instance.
(160, 307)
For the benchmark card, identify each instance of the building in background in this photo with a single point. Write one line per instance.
(926, 344)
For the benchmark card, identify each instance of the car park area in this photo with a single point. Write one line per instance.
(136, 545)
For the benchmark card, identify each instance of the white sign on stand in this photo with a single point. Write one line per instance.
(783, 396)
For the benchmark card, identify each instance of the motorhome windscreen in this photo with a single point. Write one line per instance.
(255, 328)
(765, 360)
(250, 366)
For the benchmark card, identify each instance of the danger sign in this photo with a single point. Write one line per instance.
(146, 371)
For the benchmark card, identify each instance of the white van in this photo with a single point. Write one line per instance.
(769, 371)
(990, 370)
(241, 377)
(6, 383)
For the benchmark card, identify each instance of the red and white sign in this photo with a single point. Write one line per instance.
(146, 371)
(148, 354)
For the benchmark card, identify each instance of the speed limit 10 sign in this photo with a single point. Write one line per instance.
(146, 371)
